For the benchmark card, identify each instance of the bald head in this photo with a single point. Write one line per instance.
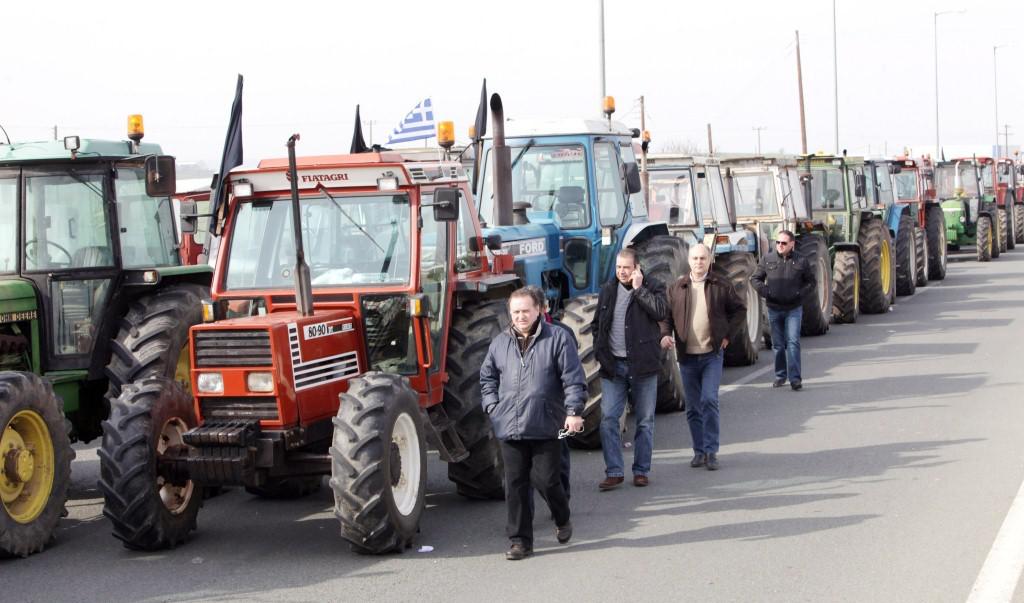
(700, 260)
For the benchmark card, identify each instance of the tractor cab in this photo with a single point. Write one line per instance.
(965, 189)
(689, 194)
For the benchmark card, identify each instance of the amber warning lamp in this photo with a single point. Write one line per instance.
(608, 106)
(446, 134)
(135, 128)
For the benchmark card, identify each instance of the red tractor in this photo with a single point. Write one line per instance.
(915, 189)
(352, 305)
(1008, 202)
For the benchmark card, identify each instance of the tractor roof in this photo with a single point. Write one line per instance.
(90, 149)
(525, 128)
(741, 160)
(665, 160)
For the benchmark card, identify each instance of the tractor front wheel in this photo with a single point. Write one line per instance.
(846, 287)
(379, 464)
(983, 239)
(935, 236)
(1003, 228)
(906, 257)
(578, 315)
(35, 463)
(1018, 223)
(149, 511)
(745, 341)
(663, 257)
(921, 245)
(876, 277)
(818, 305)
(1011, 225)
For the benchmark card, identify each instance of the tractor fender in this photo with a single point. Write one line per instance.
(638, 232)
(854, 247)
(892, 219)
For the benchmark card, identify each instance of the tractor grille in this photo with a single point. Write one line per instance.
(232, 348)
(225, 407)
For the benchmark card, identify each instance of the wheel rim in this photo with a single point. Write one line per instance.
(26, 466)
(405, 483)
(175, 498)
(886, 267)
(856, 289)
(823, 287)
(753, 315)
(942, 248)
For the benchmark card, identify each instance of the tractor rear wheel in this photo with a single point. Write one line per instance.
(578, 314)
(846, 287)
(745, 341)
(149, 512)
(921, 245)
(664, 258)
(379, 464)
(285, 488)
(480, 475)
(906, 257)
(817, 306)
(876, 276)
(1003, 228)
(1018, 223)
(35, 466)
(983, 239)
(152, 340)
(935, 236)
(1011, 224)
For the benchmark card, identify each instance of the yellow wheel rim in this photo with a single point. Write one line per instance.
(886, 267)
(183, 370)
(26, 466)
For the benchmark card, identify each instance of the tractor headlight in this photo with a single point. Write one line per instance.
(963, 219)
(260, 382)
(210, 383)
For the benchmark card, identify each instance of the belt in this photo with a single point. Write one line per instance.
(621, 358)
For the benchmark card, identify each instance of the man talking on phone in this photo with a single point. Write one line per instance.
(626, 336)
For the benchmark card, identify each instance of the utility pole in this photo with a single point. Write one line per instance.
(1006, 139)
(711, 147)
(995, 86)
(835, 71)
(55, 132)
(600, 4)
(800, 85)
(758, 130)
(644, 176)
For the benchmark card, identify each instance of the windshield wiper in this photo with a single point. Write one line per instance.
(320, 187)
(519, 156)
(90, 185)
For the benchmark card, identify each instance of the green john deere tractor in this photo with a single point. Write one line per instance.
(964, 188)
(93, 297)
(840, 191)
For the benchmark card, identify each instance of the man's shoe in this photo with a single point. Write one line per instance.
(712, 462)
(778, 383)
(563, 533)
(640, 481)
(797, 385)
(519, 551)
(611, 482)
(698, 460)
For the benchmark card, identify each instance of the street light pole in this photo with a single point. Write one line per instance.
(835, 72)
(935, 33)
(600, 4)
(995, 90)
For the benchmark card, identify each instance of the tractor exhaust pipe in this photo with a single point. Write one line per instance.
(303, 286)
(502, 166)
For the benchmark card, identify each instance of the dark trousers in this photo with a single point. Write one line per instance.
(536, 462)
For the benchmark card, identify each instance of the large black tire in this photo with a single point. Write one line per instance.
(906, 257)
(286, 488)
(818, 305)
(1018, 223)
(745, 341)
(379, 464)
(32, 429)
(578, 314)
(1003, 227)
(846, 287)
(664, 258)
(876, 274)
(480, 475)
(152, 340)
(984, 244)
(935, 235)
(1011, 225)
(148, 512)
(921, 245)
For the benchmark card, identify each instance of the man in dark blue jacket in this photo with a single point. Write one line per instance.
(533, 385)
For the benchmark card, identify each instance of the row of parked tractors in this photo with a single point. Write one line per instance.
(339, 325)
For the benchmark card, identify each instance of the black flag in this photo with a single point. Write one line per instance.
(358, 144)
(481, 113)
(232, 156)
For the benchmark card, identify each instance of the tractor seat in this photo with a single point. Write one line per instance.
(92, 256)
(570, 206)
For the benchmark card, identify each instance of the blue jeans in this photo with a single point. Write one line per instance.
(786, 342)
(614, 394)
(702, 374)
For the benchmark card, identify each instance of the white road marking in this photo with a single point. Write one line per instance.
(1001, 573)
(745, 379)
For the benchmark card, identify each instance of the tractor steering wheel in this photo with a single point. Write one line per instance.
(35, 243)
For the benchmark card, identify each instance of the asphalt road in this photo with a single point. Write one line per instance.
(886, 479)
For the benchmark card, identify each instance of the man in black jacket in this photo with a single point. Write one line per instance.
(532, 385)
(785, 280)
(626, 334)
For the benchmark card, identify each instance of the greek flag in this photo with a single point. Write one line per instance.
(418, 124)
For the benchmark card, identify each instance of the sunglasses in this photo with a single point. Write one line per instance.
(781, 242)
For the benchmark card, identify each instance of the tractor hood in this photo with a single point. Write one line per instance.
(17, 300)
(536, 239)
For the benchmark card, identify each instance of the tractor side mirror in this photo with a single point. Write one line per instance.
(860, 185)
(188, 217)
(632, 174)
(446, 205)
(493, 241)
(160, 175)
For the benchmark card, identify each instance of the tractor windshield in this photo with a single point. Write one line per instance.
(827, 189)
(66, 222)
(711, 194)
(906, 185)
(551, 179)
(946, 183)
(755, 194)
(8, 224)
(349, 241)
(146, 224)
(885, 193)
(671, 197)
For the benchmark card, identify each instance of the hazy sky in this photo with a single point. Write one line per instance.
(84, 66)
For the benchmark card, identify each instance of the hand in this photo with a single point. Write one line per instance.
(725, 343)
(666, 342)
(574, 424)
(638, 278)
